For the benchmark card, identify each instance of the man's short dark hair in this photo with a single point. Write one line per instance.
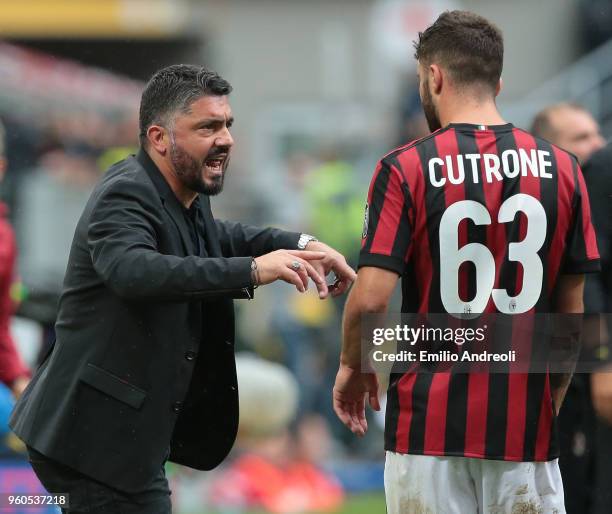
(173, 89)
(470, 47)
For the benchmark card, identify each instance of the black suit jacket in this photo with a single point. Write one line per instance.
(598, 179)
(144, 355)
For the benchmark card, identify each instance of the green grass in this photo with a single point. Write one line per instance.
(360, 504)
(365, 504)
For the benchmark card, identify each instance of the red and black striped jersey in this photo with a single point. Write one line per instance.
(477, 219)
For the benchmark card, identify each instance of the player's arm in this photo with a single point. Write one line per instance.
(370, 294)
(568, 300)
(386, 241)
(581, 256)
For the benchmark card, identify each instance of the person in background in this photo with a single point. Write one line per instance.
(598, 178)
(13, 372)
(573, 128)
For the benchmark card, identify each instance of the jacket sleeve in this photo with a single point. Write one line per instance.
(240, 240)
(122, 241)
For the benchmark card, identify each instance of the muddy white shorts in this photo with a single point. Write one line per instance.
(423, 484)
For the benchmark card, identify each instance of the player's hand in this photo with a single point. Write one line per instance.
(601, 392)
(351, 389)
(333, 261)
(292, 266)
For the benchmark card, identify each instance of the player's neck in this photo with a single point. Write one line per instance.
(471, 111)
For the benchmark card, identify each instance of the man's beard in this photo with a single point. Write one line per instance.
(431, 114)
(189, 170)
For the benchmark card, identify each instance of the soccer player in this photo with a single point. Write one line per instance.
(478, 217)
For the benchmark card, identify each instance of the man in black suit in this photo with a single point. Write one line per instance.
(143, 366)
(598, 299)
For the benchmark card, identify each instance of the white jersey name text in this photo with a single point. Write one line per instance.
(511, 163)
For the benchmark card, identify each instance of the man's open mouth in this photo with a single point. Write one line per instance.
(215, 163)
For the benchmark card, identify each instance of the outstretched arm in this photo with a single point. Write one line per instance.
(238, 239)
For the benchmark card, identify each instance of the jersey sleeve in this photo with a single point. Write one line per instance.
(581, 253)
(387, 231)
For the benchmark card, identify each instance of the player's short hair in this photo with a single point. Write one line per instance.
(541, 126)
(470, 47)
(172, 90)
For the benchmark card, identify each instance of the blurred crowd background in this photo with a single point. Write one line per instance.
(322, 89)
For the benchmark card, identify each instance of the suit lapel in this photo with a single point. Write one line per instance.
(170, 202)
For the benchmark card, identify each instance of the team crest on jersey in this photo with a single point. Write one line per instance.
(366, 219)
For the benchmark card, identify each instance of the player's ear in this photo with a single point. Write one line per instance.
(158, 138)
(436, 78)
(500, 85)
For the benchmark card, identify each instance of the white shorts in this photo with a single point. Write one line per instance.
(423, 484)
